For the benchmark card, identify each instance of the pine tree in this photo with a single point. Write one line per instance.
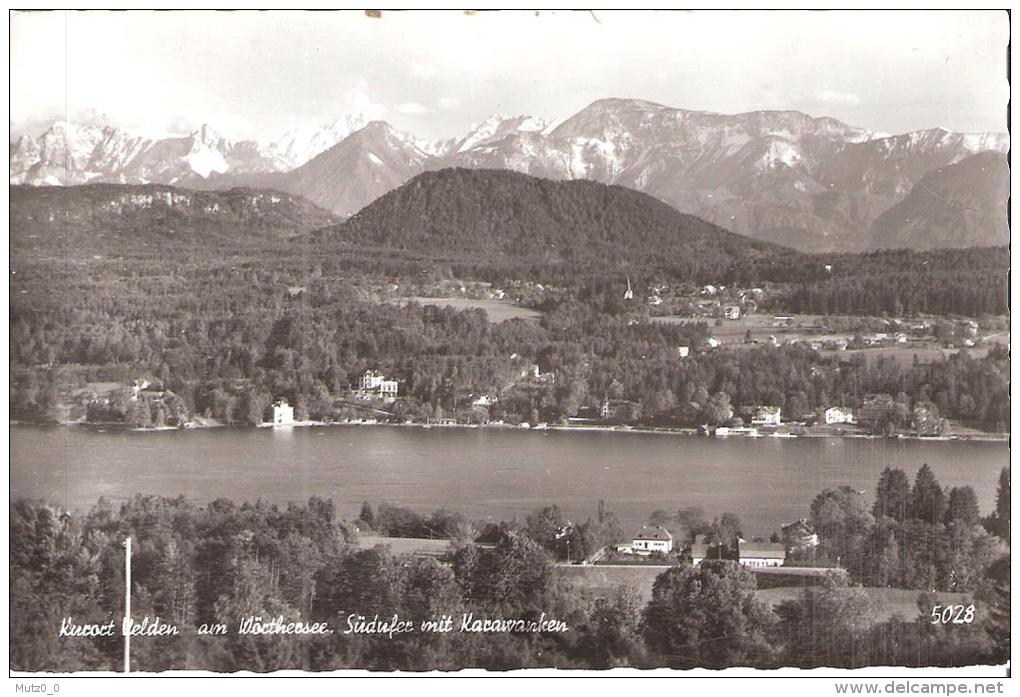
(367, 516)
(892, 495)
(928, 499)
(963, 506)
(1002, 510)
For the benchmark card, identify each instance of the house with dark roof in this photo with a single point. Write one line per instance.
(876, 409)
(766, 415)
(701, 550)
(799, 536)
(653, 539)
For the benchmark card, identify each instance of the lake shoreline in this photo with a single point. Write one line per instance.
(688, 432)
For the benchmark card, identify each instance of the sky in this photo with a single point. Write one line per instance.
(434, 74)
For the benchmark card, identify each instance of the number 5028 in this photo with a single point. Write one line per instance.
(952, 614)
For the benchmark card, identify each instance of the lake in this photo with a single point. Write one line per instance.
(487, 473)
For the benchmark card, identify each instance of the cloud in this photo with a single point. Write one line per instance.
(358, 101)
(837, 97)
(181, 125)
(448, 103)
(412, 108)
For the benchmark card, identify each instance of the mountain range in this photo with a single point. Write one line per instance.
(815, 184)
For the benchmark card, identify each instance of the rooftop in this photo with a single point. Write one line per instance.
(762, 550)
(656, 533)
(800, 524)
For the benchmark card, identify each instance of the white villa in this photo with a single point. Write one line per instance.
(485, 400)
(838, 415)
(653, 539)
(375, 382)
(283, 414)
(767, 416)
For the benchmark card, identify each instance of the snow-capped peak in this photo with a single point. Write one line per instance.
(497, 127)
(207, 136)
(207, 153)
(299, 145)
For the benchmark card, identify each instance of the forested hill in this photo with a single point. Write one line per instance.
(116, 217)
(493, 215)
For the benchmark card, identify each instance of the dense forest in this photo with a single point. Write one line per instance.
(229, 354)
(219, 563)
(231, 301)
(492, 215)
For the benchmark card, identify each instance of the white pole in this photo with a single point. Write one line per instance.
(127, 605)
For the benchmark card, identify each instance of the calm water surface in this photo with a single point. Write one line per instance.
(484, 473)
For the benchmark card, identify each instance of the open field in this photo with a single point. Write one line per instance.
(497, 310)
(601, 577)
(905, 356)
(732, 334)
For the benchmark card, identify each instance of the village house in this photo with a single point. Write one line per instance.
(712, 342)
(875, 409)
(761, 554)
(619, 410)
(838, 344)
(684, 351)
(701, 550)
(283, 413)
(731, 312)
(968, 327)
(374, 384)
(838, 415)
(653, 539)
(766, 416)
(534, 373)
(137, 387)
(484, 400)
(799, 537)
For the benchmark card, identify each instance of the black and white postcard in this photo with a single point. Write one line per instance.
(508, 343)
